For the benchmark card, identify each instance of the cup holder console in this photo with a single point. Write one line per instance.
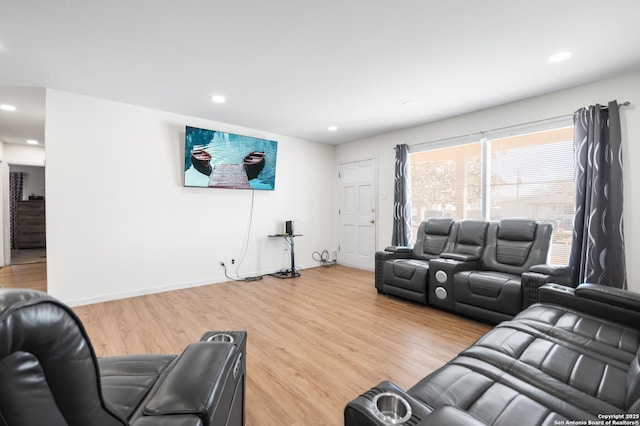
(220, 337)
(441, 293)
(441, 276)
(391, 408)
(441, 272)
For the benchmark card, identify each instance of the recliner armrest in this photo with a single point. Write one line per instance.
(173, 420)
(539, 275)
(551, 270)
(611, 295)
(194, 384)
(398, 249)
(617, 305)
(452, 266)
(460, 257)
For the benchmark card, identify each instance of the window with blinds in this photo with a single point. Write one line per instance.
(526, 174)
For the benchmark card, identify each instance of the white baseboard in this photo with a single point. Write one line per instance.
(169, 287)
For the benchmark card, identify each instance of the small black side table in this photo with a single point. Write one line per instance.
(291, 273)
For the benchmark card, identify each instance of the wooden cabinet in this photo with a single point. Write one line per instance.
(31, 224)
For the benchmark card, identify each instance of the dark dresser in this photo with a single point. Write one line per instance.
(31, 224)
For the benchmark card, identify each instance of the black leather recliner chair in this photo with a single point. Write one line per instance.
(49, 374)
(405, 271)
(493, 292)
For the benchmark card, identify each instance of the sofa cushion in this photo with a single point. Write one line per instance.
(494, 291)
(432, 238)
(587, 379)
(439, 226)
(470, 238)
(517, 229)
(513, 252)
(493, 396)
(633, 386)
(514, 240)
(406, 278)
(404, 269)
(597, 334)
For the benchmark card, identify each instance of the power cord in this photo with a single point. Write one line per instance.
(227, 275)
(323, 258)
(255, 278)
(244, 250)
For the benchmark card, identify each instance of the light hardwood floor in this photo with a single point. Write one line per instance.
(32, 275)
(314, 342)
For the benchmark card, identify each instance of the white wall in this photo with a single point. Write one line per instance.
(121, 223)
(565, 102)
(28, 155)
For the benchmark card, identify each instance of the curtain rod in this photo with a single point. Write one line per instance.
(623, 104)
(493, 130)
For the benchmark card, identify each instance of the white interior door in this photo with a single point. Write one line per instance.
(357, 233)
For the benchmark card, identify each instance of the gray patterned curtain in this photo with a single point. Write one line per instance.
(401, 199)
(16, 191)
(597, 245)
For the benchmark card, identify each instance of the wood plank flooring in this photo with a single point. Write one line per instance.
(314, 342)
(31, 275)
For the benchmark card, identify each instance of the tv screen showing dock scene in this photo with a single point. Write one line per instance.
(217, 159)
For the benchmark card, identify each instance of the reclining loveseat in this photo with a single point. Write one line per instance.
(572, 359)
(50, 375)
(485, 270)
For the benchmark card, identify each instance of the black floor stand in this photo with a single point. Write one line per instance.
(290, 273)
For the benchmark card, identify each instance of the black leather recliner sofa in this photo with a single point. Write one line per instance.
(50, 375)
(490, 271)
(574, 359)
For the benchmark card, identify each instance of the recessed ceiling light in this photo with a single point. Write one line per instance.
(219, 99)
(332, 128)
(32, 142)
(6, 107)
(409, 103)
(560, 56)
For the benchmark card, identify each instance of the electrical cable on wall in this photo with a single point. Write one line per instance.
(245, 248)
(246, 241)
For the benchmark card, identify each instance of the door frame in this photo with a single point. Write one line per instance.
(5, 247)
(375, 184)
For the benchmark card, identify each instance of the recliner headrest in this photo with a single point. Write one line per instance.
(517, 229)
(472, 232)
(438, 226)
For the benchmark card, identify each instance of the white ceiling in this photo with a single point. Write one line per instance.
(294, 67)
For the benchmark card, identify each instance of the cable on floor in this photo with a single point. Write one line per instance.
(323, 258)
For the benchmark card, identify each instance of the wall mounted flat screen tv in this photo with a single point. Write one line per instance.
(217, 159)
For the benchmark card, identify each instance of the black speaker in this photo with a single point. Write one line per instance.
(288, 227)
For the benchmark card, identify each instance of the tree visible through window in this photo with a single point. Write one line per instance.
(446, 182)
(530, 175)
